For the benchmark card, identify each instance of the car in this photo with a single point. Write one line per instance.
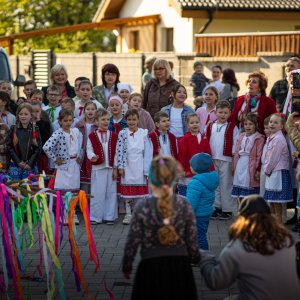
(5, 72)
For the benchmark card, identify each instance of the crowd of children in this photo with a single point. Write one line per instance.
(107, 151)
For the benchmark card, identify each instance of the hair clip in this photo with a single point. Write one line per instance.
(166, 221)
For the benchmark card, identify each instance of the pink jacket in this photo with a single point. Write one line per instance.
(277, 155)
(203, 115)
(254, 157)
(145, 120)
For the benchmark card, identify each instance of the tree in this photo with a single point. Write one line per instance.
(28, 15)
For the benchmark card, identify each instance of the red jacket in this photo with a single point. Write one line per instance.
(266, 108)
(188, 147)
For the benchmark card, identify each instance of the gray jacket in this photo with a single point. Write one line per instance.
(261, 277)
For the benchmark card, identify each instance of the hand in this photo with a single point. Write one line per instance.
(21, 164)
(268, 174)
(122, 172)
(59, 162)
(298, 176)
(295, 154)
(94, 158)
(115, 174)
(257, 176)
(78, 160)
(293, 117)
(126, 275)
(27, 167)
(193, 84)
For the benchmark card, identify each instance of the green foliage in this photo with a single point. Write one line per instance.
(27, 15)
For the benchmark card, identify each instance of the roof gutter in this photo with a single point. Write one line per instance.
(210, 19)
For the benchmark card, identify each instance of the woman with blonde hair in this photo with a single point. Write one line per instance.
(260, 255)
(164, 227)
(158, 90)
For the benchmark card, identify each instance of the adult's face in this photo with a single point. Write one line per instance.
(253, 86)
(291, 65)
(160, 72)
(216, 74)
(60, 77)
(110, 78)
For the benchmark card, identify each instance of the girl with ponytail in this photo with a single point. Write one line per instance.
(164, 227)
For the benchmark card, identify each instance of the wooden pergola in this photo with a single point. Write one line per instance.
(111, 24)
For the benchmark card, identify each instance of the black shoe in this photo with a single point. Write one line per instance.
(296, 228)
(291, 221)
(225, 216)
(216, 214)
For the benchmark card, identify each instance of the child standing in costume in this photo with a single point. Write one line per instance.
(86, 126)
(207, 113)
(124, 91)
(192, 143)
(247, 159)
(201, 194)
(101, 148)
(24, 144)
(53, 108)
(133, 156)
(4, 157)
(117, 121)
(278, 182)
(163, 142)
(222, 136)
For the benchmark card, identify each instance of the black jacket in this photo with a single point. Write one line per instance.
(24, 151)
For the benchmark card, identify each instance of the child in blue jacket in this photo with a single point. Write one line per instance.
(201, 194)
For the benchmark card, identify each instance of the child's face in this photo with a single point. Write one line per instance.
(115, 107)
(198, 69)
(68, 106)
(210, 97)
(36, 112)
(124, 94)
(102, 122)
(216, 74)
(275, 124)
(85, 92)
(66, 123)
(180, 95)
(76, 86)
(163, 125)
(267, 130)
(90, 112)
(53, 97)
(135, 102)
(222, 114)
(28, 89)
(249, 127)
(6, 87)
(37, 98)
(193, 125)
(24, 116)
(132, 122)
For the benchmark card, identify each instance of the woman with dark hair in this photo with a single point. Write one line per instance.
(231, 88)
(110, 76)
(260, 255)
(164, 227)
(255, 101)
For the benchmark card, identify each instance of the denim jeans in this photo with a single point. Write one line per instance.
(202, 226)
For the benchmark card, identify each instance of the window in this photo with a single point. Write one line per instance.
(169, 39)
(134, 41)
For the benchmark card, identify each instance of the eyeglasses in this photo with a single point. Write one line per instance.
(159, 69)
(53, 95)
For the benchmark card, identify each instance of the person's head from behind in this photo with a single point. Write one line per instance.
(292, 64)
(162, 121)
(4, 101)
(222, 111)
(257, 83)
(276, 123)
(102, 119)
(162, 177)
(76, 83)
(6, 86)
(65, 119)
(193, 123)
(135, 101)
(161, 70)
(229, 77)
(201, 163)
(198, 67)
(211, 95)
(124, 91)
(68, 103)
(258, 229)
(110, 75)
(53, 95)
(36, 96)
(216, 72)
(250, 123)
(29, 86)
(266, 126)
(132, 119)
(115, 104)
(85, 90)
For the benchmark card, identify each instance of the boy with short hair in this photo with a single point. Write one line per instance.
(53, 108)
(222, 136)
(29, 86)
(163, 142)
(76, 87)
(101, 149)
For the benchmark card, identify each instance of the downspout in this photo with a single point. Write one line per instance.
(210, 18)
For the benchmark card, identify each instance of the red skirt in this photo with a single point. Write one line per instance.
(42, 164)
(86, 170)
(134, 191)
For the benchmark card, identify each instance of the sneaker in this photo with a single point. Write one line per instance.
(76, 220)
(110, 222)
(95, 223)
(216, 214)
(127, 220)
(225, 216)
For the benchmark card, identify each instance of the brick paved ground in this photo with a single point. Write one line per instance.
(110, 242)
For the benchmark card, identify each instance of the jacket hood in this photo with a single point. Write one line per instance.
(210, 179)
